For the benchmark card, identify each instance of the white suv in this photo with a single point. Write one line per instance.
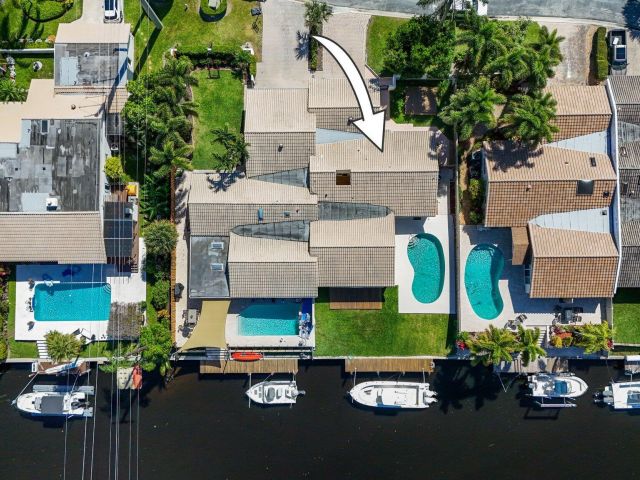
(112, 10)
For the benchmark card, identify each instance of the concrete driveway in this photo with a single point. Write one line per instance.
(284, 61)
(576, 50)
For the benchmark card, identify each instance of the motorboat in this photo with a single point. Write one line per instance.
(621, 395)
(55, 404)
(275, 392)
(556, 385)
(390, 394)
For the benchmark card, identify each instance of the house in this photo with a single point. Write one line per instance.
(403, 178)
(626, 94)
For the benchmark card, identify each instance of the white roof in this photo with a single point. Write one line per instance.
(81, 32)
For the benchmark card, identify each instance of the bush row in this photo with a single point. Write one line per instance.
(4, 318)
(221, 56)
(601, 53)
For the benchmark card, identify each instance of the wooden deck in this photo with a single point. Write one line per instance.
(355, 299)
(542, 364)
(388, 364)
(279, 365)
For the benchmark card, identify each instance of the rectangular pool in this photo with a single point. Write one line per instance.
(269, 319)
(72, 301)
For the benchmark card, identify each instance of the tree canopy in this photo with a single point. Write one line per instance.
(160, 237)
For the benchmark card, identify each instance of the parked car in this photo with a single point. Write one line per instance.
(112, 10)
(617, 50)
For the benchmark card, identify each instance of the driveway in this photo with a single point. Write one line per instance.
(576, 50)
(92, 11)
(284, 64)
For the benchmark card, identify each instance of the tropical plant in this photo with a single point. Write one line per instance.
(510, 68)
(529, 347)
(113, 169)
(315, 14)
(155, 347)
(171, 155)
(595, 337)
(485, 41)
(441, 8)
(529, 118)
(160, 294)
(160, 238)
(10, 92)
(493, 346)
(176, 73)
(62, 346)
(472, 106)
(540, 68)
(155, 198)
(235, 149)
(549, 41)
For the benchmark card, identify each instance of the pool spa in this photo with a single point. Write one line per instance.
(482, 272)
(427, 259)
(72, 301)
(275, 319)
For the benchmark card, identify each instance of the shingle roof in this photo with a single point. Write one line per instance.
(277, 110)
(629, 155)
(556, 243)
(625, 89)
(336, 93)
(405, 151)
(265, 250)
(52, 237)
(507, 162)
(81, 32)
(368, 232)
(580, 99)
(224, 188)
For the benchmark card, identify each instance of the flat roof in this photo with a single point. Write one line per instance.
(277, 110)
(89, 65)
(84, 32)
(207, 267)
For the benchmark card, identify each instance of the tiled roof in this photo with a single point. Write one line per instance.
(230, 189)
(368, 232)
(507, 162)
(580, 99)
(631, 234)
(336, 93)
(52, 237)
(81, 32)
(631, 157)
(265, 250)
(404, 151)
(556, 243)
(349, 31)
(625, 89)
(277, 110)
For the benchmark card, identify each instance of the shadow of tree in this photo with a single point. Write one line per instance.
(456, 381)
(631, 13)
(302, 49)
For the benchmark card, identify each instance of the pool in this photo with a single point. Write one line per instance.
(269, 319)
(427, 259)
(482, 272)
(72, 301)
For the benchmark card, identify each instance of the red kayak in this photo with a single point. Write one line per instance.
(246, 356)
(137, 377)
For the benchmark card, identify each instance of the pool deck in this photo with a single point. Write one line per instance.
(267, 341)
(125, 288)
(539, 311)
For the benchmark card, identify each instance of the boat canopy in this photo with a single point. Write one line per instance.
(209, 332)
(52, 404)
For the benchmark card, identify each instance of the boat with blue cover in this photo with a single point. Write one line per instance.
(556, 385)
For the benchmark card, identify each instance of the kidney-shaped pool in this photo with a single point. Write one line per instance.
(481, 275)
(427, 259)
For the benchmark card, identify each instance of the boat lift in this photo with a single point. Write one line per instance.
(552, 402)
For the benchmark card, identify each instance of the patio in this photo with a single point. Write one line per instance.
(539, 312)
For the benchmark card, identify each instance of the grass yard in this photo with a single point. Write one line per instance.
(103, 349)
(17, 349)
(221, 101)
(14, 26)
(24, 68)
(626, 316)
(381, 332)
(185, 27)
(377, 34)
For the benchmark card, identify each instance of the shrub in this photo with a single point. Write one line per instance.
(160, 294)
(160, 237)
(601, 53)
(211, 14)
(3, 348)
(476, 191)
(155, 340)
(476, 217)
(557, 342)
(62, 346)
(113, 169)
(222, 56)
(44, 10)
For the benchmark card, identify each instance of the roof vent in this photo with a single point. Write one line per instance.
(603, 213)
(623, 151)
(593, 161)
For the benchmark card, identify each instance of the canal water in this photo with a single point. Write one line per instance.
(202, 427)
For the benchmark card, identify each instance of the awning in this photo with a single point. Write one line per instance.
(209, 331)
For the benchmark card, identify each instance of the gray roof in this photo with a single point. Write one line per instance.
(629, 155)
(63, 237)
(207, 267)
(625, 89)
(337, 93)
(277, 110)
(404, 151)
(266, 250)
(368, 232)
(631, 233)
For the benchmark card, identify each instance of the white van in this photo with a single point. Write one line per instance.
(112, 10)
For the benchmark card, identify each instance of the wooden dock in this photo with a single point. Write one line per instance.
(388, 364)
(276, 365)
(542, 364)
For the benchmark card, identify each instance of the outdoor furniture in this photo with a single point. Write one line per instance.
(521, 318)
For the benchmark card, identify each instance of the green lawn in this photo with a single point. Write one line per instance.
(24, 68)
(381, 332)
(626, 316)
(103, 349)
(13, 24)
(221, 102)
(185, 27)
(17, 349)
(377, 34)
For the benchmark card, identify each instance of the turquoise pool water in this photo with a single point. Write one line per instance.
(427, 259)
(72, 301)
(269, 319)
(482, 272)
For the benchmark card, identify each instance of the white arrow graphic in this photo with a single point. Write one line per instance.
(371, 124)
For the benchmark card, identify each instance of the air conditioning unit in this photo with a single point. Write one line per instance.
(217, 267)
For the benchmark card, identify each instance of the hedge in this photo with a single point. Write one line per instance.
(211, 15)
(44, 10)
(222, 56)
(601, 53)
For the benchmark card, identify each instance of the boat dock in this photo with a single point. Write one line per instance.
(388, 364)
(542, 364)
(275, 365)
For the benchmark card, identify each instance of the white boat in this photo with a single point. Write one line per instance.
(622, 395)
(556, 385)
(275, 392)
(55, 404)
(389, 394)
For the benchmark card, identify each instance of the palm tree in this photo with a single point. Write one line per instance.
(510, 68)
(172, 155)
(595, 337)
(235, 149)
(485, 41)
(529, 119)
(62, 346)
(493, 346)
(472, 106)
(155, 195)
(10, 92)
(550, 41)
(441, 8)
(529, 344)
(540, 68)
(315, 14)
(176, 74)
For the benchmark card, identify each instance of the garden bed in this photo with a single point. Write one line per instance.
(210, 14)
